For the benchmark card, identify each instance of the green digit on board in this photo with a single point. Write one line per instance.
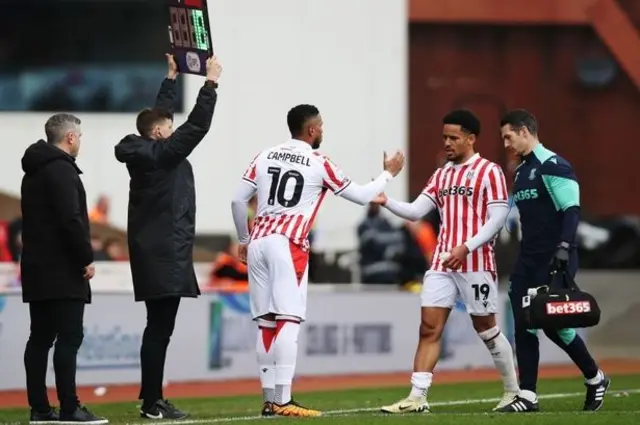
(201, 36)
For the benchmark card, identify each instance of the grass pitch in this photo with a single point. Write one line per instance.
(560, 401)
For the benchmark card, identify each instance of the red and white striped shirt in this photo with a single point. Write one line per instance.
(463, 193)
(291, 181)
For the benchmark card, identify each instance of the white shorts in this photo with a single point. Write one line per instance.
(278, 277)
(477, 290)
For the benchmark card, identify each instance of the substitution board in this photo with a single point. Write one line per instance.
(189, 35)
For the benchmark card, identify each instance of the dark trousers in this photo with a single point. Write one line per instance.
(60, 321)
(161, 320)
(527, 344)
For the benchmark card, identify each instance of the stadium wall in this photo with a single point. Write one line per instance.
(348, 58)
(369, 330)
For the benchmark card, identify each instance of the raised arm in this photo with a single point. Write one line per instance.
(186, 137)
(417, 209)
(168, 95)
(335, 180)
(413, 211)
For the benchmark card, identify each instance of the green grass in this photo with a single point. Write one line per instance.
(561, 402)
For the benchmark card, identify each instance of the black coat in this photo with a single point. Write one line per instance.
(55, 226)
(162, 201)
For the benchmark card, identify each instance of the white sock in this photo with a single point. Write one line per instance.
(596, 379)
(285, 350)
(420, 383)
(502, 355)
(529, 396)
(266, 358)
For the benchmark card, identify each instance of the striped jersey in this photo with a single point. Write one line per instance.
(291, 181)
(462, 194)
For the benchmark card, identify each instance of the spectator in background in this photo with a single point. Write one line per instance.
(98, 249)
(5, 252)
(419, 243)
(229, 274)
(379, 243)
(114, 250)
(15, 238)
(100, 213)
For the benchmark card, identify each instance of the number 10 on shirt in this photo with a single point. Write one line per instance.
(279, 182)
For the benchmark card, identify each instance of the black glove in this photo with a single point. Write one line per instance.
(561, 258)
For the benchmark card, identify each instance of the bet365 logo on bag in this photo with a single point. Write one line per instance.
(568, 307)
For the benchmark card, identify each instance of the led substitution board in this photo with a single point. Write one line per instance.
(189, 35)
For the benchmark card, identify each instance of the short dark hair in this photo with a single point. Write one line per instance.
(520, 118)
(149, 117)
(467, 120)
(298, 116)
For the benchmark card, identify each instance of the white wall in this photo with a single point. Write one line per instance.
(348, 57)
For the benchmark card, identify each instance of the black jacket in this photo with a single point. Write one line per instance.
(162, 201)
(55, 226)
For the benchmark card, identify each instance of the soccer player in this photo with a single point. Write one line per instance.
(547, 194)
(291, 180)
(471, 196)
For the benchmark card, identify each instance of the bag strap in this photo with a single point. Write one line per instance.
(566, 281)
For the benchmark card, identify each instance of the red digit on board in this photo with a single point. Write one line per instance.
(187, 37)
(176, 28)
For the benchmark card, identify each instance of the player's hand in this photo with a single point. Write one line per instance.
(560, 259)
(242, 253)
(89, 272)
(456, 257)
(381, 199)
(394, 164)
(214, 69)
(172, 67)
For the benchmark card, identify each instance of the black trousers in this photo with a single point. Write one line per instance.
(161, 320)
(60, 321)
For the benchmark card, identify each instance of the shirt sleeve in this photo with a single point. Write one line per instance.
(414, 211)
(333, 178)
(250, 173)
(495, 187)
(561, 183)
(240, 209)
(498, 213)
(431, 189)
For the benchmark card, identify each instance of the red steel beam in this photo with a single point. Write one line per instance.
(619, 34)
(606, 17)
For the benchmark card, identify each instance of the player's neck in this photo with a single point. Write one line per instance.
(533, 145)
(467, 156)
(303, 140)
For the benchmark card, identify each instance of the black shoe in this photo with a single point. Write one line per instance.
(519, 405)
(162, 409)
(267, 409)
(81, 415)
(595, 395)
(50, 417)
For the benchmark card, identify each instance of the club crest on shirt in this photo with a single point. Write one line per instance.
(532, 174)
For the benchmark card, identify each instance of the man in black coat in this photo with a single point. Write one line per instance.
(161, 225)
(56, 265)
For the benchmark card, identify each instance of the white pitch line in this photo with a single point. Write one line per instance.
(347, 412)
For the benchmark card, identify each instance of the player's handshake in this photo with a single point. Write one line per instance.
(394, 164)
